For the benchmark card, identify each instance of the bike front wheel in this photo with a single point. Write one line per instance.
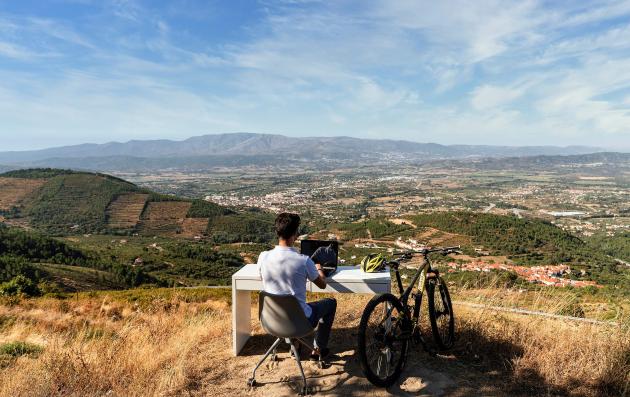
(440, 313)
(383, 339)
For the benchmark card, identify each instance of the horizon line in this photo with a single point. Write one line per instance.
(599, 148)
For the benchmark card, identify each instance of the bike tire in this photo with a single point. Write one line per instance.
(399, 349)
(444, 330)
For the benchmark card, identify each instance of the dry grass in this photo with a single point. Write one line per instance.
(165, 342)
(544, 355)
(101, 346)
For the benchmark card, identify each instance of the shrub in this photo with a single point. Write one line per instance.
(17, 349)
(572, 309)
(19, 285)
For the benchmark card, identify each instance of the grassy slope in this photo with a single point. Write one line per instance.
(77, 278)
(178, 342)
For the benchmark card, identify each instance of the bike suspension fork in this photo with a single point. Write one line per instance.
(399, 282)
(417, 299)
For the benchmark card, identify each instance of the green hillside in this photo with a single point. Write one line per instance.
(249, 226)
(74, 203)
(527, 241)
(616, 246)
(22, 252)
(536, 242)
(36, 173)
(98, 262)
(71, 202)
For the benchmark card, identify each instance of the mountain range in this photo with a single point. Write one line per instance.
(252, 149)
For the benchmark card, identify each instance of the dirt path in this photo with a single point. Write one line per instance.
(342, 378)
(399, 221)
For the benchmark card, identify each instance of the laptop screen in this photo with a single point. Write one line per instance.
(308, 247)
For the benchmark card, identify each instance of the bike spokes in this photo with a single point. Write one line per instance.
(441, 314)
(384, 336)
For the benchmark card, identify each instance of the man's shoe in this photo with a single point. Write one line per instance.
(323, 353)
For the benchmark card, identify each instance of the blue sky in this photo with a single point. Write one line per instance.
(482, 72)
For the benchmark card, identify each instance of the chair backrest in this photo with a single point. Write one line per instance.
(282, 316)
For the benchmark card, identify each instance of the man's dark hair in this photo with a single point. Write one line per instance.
(287, 225)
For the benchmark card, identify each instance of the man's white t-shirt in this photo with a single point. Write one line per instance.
(284, 271)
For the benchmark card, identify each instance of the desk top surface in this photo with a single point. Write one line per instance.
(344, 274)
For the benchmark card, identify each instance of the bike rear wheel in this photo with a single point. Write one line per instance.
(383, 339)
(440, 313)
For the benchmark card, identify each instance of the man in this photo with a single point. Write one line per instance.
(284, 271)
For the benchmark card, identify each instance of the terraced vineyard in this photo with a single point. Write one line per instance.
(164, 217)
(74, 202)
(192, 227)
(15, 190)
(125, 210)
(66, 202)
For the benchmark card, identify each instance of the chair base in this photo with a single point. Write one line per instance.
(305, 390)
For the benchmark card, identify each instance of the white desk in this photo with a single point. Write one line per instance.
(347, 279)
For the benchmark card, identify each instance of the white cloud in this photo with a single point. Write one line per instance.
(10, 50)
(488, 96)
(54, 29)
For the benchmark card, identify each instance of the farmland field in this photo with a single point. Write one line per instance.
(164, 217)
(14, 190)
(125, 210)
(192, 227)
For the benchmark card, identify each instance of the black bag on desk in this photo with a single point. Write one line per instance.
(327, 257)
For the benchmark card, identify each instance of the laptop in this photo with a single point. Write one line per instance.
(308, 247)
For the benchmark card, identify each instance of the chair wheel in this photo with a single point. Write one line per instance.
(306, 391)
(274, 357)
(251, 382)
(321, 365)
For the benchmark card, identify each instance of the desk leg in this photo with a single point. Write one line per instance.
(241, 318)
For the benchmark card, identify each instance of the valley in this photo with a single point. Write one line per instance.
(95, 266)
(185, 229)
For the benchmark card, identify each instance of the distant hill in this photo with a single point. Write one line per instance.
(250, 148)
(131, 163)
(614, 159)
(5, 168)
(69, 202)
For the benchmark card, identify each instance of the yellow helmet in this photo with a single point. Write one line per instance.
(373, 263)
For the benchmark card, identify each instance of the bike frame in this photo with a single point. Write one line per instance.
(419, 277)
(422, 270)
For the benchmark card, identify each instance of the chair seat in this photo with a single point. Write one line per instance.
(282, 316)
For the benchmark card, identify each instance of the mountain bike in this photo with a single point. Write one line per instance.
(389, 323)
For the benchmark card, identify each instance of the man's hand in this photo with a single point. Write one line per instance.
(321, 280)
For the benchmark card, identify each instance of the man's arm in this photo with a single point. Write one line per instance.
(321, 280)
(315, 273)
